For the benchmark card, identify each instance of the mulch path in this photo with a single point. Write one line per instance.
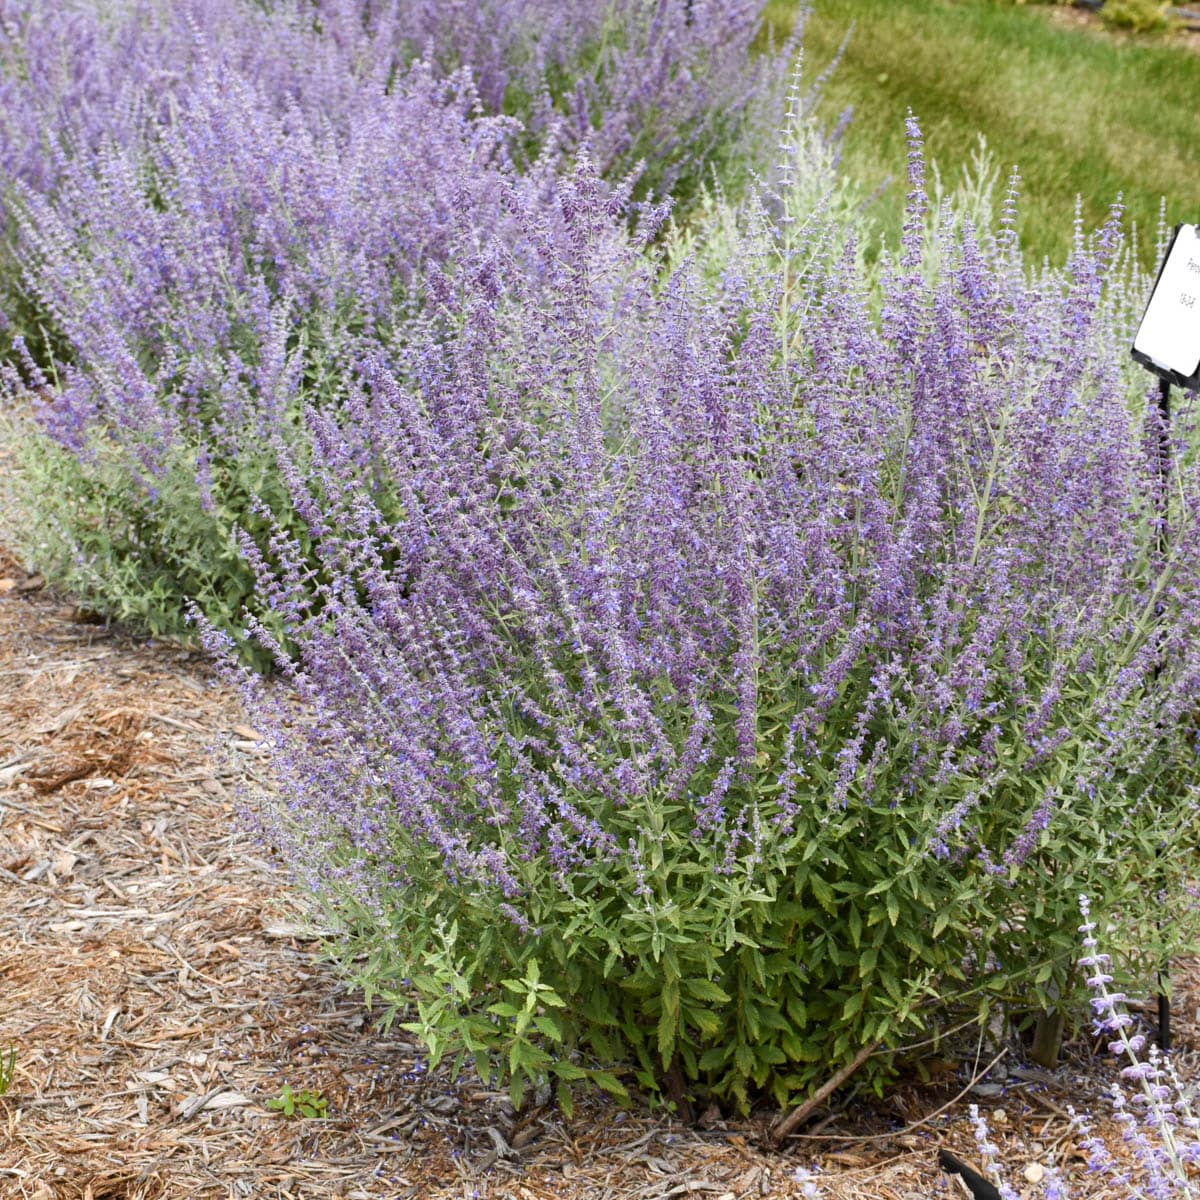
(159, 988)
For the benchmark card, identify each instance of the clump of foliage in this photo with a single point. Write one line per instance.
(304, 1103)
(1138, 16)
(742, 672)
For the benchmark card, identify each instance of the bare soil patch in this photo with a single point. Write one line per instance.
(159, 988)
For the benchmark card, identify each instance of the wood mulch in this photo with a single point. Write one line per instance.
(158, 988)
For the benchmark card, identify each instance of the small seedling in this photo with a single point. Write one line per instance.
(299, 1104)
(8, 1069)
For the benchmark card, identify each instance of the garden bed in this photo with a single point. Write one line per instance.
(159, 992)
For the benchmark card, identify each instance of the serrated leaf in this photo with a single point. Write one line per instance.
(856, 927)
(824, 894)
(749, 1014)
(549, 1026)
(569, 1071)
(798, 1011)
(706, 989)
(743, 1059)
(667, 1031)
(670, 999)
(854, 1005)
(608, 1082)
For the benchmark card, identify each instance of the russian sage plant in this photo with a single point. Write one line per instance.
(668, 89)
(211, 286)
(674, 85)
(721, 673)
(215, 211)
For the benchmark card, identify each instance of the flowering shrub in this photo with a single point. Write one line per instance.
(667, 88)
(211, 286)
(774, 648)
(721, 678)
(216, 207)
(671, 84)
(79, 81)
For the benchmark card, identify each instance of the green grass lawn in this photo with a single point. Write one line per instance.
(1079, 111)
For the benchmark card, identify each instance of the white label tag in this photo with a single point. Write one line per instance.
(1169, 334)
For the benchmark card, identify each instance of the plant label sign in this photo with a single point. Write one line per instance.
(1168, 339)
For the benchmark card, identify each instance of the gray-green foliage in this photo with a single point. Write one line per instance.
(137, 555)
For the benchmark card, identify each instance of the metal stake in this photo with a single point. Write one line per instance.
(1164, 474)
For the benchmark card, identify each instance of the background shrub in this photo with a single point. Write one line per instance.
(216, 212)
(1139, 16)
(210, 286)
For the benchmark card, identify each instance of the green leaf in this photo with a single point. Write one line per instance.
(568, 1071)
(566, 1101)
(824, 894)
(706, 989)
(854, 1005)
(856, 927)
(608, 1082)
(668, 1023)
(549, 1026)
(743, 1058)
(670, 999)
